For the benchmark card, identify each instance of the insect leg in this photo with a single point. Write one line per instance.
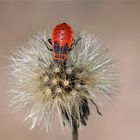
(46, 45)
(50, 41)
(74, 43)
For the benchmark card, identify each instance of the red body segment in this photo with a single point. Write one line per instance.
(62, 39)
(62, 34)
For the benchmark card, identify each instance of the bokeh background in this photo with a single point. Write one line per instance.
(117, 23)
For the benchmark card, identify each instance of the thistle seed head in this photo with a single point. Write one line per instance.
(51, 92)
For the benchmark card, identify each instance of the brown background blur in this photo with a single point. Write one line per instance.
(116, 23)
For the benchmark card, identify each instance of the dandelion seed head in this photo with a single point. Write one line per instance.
(48, 90)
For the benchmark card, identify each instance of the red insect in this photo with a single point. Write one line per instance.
(62, 41)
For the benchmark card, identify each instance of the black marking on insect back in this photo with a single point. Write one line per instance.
(56, 47)
(60, 50)
(64, 49)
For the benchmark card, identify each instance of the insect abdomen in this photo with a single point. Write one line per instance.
(62, 34)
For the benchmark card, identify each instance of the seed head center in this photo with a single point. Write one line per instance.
(58, 90)
(66, 83)
(48, 90)
(54, 81)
